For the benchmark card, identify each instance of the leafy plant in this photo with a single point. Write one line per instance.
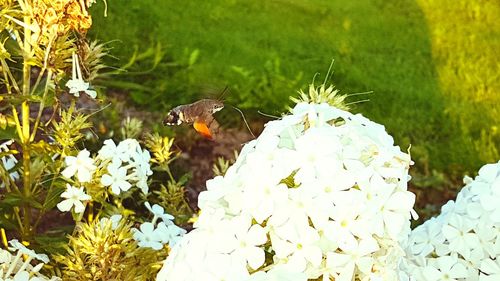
(37, 53)
(106, 250)
(150, 72)
(266, 89)
(46, 104)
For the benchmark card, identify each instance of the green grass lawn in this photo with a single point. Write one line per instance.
(404, 51)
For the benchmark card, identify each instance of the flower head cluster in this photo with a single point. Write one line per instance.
(14, 268)
(154, 235)
(463, 242)
(49, 19)
(122, 166)
(127, 165)
(322, 193)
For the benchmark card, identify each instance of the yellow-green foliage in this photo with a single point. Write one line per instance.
(99, 251)
(67, 132)
(161, 147)
(465, 38)
(322, 94)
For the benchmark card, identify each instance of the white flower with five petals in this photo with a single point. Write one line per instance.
(74, 197)
(116, 178)
(82, 165)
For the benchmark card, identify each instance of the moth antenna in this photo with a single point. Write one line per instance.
(99, 110)
(94, 133)
(221, 95)
(268, 115)
(177, 146)
(53, 115)
(359, 101)
(244, 120)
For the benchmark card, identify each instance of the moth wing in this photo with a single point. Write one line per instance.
(208, 127)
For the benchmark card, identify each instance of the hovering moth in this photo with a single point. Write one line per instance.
(200, 114)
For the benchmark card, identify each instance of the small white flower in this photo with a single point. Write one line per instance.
(116, 178)
(16, 245)
(444, 268)
(458, 232)
(355, 256)
(115, 220)
(110, 151)
(425, 238)
(141, 161)
(169, 234)
(298, 244)
(247, 238)
(159, 212)
(74, 197)
(76, 83)
(147, 236)
(8, 162)
(490, 270)
(141, 179)
(81, 165)
(15, 268)
(262, 199)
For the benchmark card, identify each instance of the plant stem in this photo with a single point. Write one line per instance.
(170, 174)
(56, 174)
(25, 137)
(42, 105)
(26, 168)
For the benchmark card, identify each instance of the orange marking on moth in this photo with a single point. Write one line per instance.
(203, 129)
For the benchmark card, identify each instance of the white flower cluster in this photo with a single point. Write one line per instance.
(124, 166)
(8, 162)
(463, 242)
(14, 268)
(128, 165)
(153, 235)
(322, 193)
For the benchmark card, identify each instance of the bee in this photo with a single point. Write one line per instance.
(200, 114)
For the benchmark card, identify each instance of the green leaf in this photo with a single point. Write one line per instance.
(33, 202)
(17, 100)
(7, 223)
(37, 168)
(184, 179)
(8, 133)
(53, 244)
(158, 56)
(12, 199)
(53, 197)
(193, 57)
(127, 85)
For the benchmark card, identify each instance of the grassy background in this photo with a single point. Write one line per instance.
(432, 65)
